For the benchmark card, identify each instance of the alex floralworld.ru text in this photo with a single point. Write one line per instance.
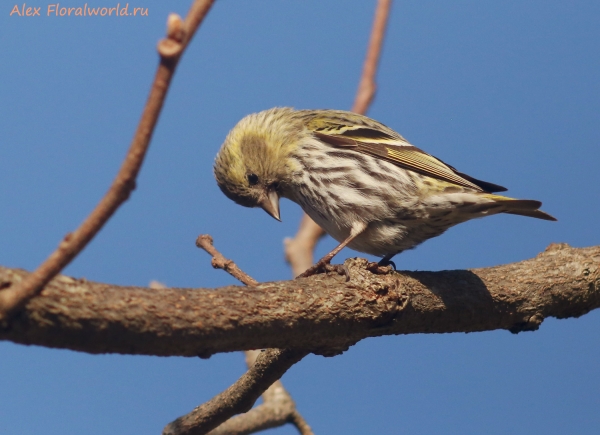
(56, 9)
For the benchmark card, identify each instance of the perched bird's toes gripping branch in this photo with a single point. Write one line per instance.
(323, 266)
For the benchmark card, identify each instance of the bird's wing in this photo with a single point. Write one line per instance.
(380, 141)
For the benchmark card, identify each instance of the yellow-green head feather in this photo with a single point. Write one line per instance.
(260, 144)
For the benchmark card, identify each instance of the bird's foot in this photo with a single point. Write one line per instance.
(323, 266)
(319, 267)
(385, 262)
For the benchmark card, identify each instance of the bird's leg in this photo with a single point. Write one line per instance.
(319, 266)
(387, 261)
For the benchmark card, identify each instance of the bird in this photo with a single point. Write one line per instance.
(362, 182)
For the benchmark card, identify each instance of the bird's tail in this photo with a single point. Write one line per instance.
(521, 207)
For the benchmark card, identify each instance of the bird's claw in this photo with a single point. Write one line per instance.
(340, 269)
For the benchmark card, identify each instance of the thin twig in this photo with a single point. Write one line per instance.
(299, 249)
(278, 407)
(297, 420)
(367, 85)
(205, 242)
(170, 50)
(270, 365)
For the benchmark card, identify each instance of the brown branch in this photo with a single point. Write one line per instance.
(367, 86)
(170, 49)
(278, 407)
(297, 420)
(323, 313)
(299, 249)
(205, 242)
(270, 365)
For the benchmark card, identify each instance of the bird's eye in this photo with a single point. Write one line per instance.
(252, 179)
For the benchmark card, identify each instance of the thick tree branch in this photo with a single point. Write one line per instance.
(323, 313)
(299, 249)
(170, 50)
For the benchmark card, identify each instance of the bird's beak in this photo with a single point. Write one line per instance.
(270, 203)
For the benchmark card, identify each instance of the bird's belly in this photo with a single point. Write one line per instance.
(393, 225)
(394, 236)
(383, 237)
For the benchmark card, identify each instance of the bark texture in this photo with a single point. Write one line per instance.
(324, 314)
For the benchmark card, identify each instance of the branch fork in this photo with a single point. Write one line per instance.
(278, 407)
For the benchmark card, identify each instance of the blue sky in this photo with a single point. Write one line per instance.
(505, 91)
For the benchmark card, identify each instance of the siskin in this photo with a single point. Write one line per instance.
(362, 182)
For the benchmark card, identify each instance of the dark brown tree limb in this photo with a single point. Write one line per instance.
(270, 365)
(323, 313)
(299, 249)
(170, 49)
(278, 407)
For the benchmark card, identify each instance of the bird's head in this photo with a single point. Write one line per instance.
(253, 164)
